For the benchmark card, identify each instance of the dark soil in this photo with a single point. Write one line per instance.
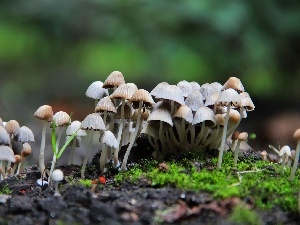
(115, 204)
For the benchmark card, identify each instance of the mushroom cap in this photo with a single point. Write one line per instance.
(115, 79)
(158, 88)
(220, 119)
(124, 91)
(144, 115)
(61, 118)
(243, 136)
(285, 150)
(234, 117)
(17, 159)
(4, 137)
(194, 100)
(151, 130)
(73, 127)
(185, 87)
(211, 99)
(185, 113)
(141, 95)
(6, 154)
(57, 175)
(25, 134)
(296, 135)
(195, 86)
(96, 90)
(105, 104)
(204, 114)
(93, 121)
(229, 97)
(44, 112)
(208, 89)
(161, 114)
(12, 127)
(26, 150)
(235, 135)
(109, 139)
(234, 83)
(247, 101)
(172, 93)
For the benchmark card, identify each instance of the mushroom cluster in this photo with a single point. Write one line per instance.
(185, 118)
(12, 135)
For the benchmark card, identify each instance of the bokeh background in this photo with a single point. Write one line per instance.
(51, 50)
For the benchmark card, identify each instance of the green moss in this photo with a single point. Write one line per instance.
(5, 190)
(85, 182)
(259, 180)
(242, 215)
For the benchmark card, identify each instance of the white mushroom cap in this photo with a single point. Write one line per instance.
(185, 87)
(6, 153)
(184, 112)
(204, 114)
(151, 130)
(161, 114)
(61, 118)
(73, 127)
(172, 93)
(57, 175)
(44, 112)
(4, 137)
(247, 101)
(105, 104)
(115, 79)
(194, 100)
(124, 91)
(229, 97)
(285, 150)
(209, 89)
(158, 88)
(109, 139)
(96, 91)
(93, 122)
(25, 134)
(195, 86)
(1, 123)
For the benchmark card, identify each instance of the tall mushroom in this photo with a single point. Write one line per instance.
(295, 164)
(141, 98)
(227, 98)
(45, 114)
(93, 122)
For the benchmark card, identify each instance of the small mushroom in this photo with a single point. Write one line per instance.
(96, 91)
(24, 153)
(6, 154)
(57, 176)
(295, 164)
(284, 154)
(16, 164)
(243, 136)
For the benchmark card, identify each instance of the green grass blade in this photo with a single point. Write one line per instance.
(65, 145)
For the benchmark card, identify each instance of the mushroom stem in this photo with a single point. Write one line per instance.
(21, 166)
(116, 150)
(236, 153)
(162, 138)
(182, 142)
(56, 192)
(222, 147)
(71, 158)
(87, 155)
(2, 173)
(42, 149)
(133, 137)
(295, 165)
(103, 158)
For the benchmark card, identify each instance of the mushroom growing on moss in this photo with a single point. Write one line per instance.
(295, 164)
(45, 114)
(227, 98)
(243, 136)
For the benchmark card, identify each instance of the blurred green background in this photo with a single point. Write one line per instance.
(51, 50)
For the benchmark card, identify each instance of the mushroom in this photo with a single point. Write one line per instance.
(114, 80)
(96, 91)
(25, 135)
(4, 137)
(45, 114)
(6, 154)
(107, 139)
(295, 164)
(234, 137)
(241, 137)
(24, 153)
(123, 92)
(93, 122)
(284, 154)
(263, 155)
(57, 176)
(227, 98)
(185, 87)
(73, 128)
(13, 129)
(141, 98)
(195, 86)
(16, 164)
(234, 83)
(60, 119)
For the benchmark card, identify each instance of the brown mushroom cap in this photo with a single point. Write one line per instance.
(124, 91)
(17, 159)
(243, 136)
(247, 101)
(185, 113)
(12, 127)
(234, 83)
(235, 135)
(61, 118)
(44, 112)
(115, 79)
(105, 104)
(141, 95)
(26, 150)
(296, 135)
